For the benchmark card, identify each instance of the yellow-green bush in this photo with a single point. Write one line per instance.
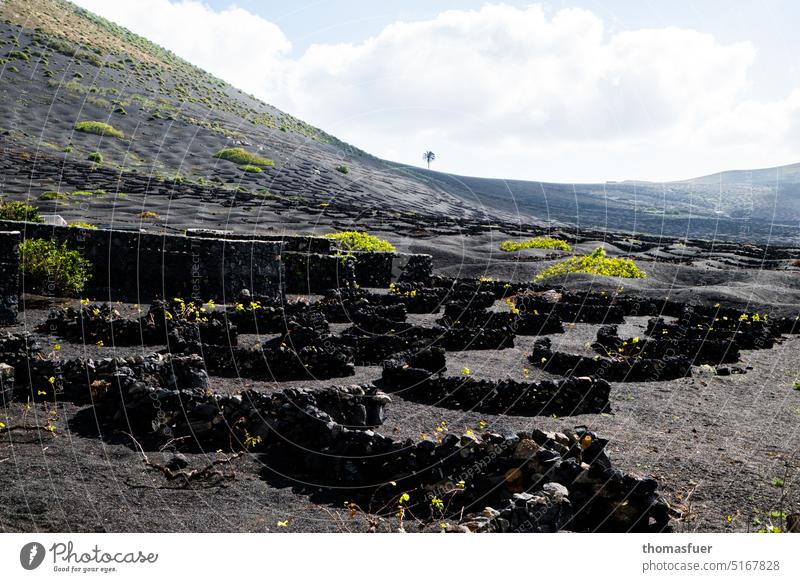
(98, 128)
(361, 241)
(595, 263)
(539, 242)
(242, 157)
(15, 210)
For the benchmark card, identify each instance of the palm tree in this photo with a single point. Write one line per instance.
(429, 157)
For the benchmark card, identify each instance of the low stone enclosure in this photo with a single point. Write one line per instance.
(525, 482)
(476, 480)
(530, 481)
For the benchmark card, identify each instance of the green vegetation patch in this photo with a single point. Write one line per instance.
(361, 241)
(96, 157)
(539, 242)
(251, 169)
(343, 169)
(19, 55)
(52, 268)
(242, 157)
(81, 225)
(14, 210)
(53, 196)
(595, 263)
(98, 128)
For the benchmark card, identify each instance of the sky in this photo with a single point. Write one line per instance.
(567, 91)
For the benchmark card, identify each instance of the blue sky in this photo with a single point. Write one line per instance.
(568, 90)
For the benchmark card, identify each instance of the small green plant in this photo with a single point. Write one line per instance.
(343, 169)
(68, 149)
(361, 241)
(15, 210)
(82, 225)
(52, 196)
(595, 263)
(95, 157)
(539, 242)
(149, 214)
(98, 128)
(251, 169)
(51, 268)
(242, 157)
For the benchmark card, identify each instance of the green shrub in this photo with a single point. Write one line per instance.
(13, 70)
(252, 169)
(242, 157)
(82, 225)
(52, 196)
(539, 242)
(68, 149)
(595, 263)
(51, 268)
(361, 241)
(96, 157)
(98, 128)
(343, 169)
(14, 210)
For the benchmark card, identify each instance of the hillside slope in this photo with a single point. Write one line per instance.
(62, 65)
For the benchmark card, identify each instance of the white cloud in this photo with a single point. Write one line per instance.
(500, 91)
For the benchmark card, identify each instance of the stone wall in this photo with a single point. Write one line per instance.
(372, 269)
(9, 276)
(383, 269)
(293, 243)
(139, 266)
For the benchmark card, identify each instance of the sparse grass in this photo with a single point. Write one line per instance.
(95, 157)
(81, 225)
(242, 157)
(149, 214)
(595, 263)
(50, 268)
(251, 169)
(52, 196)
(539, 242)
(343, 169)
(98, 128)
(14, 210)
(361, 241)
